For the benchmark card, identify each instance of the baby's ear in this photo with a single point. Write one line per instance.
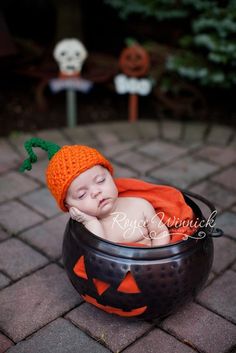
(67, 205)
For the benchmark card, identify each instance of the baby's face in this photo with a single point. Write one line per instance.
(93, 192)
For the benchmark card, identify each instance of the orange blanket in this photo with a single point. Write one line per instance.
(167, 201)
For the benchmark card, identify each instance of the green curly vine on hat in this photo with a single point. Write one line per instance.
(50, 147)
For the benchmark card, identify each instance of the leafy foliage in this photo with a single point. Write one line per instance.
(160, 9)
(207, 54)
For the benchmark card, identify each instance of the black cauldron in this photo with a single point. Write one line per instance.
(162, 278)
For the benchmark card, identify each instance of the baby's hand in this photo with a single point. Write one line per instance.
(90, 222)
(79, 216)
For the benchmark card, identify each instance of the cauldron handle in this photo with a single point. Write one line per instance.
(213, 232)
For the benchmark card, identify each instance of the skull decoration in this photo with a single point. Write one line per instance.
(70, 55)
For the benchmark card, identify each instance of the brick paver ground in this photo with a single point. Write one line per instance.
(40, 311)
(102, 327)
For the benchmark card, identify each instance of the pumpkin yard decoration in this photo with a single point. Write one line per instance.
(134, 62)
(136, 281)
(70, 55)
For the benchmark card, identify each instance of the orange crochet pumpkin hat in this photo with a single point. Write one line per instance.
(65, 164)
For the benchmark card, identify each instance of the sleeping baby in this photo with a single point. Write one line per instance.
(92, 198)
(80, 179)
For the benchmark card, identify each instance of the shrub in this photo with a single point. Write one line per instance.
(207, 54)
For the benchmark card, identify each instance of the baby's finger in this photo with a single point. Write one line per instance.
(74, 212)
(76, 215)
(78, 218)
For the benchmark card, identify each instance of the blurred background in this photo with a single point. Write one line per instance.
(191, 44)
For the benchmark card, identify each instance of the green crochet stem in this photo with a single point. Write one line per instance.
(50, 147)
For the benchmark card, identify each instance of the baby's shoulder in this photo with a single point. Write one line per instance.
(135, 202)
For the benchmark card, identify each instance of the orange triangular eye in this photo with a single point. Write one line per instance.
(128, 285)
(80, 269)
(100, 285)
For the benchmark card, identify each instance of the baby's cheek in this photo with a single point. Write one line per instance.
(88, 206)
(74, 203)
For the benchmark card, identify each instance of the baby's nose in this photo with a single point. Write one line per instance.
(95, 192)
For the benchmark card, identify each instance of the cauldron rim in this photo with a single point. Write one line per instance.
(84, 236)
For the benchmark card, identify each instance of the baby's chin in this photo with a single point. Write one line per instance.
(105, 211)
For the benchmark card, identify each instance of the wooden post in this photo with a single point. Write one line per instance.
(134, 62)
(133, 107)
(71, 108)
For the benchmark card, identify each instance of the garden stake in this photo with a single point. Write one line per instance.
(134, 63)
(133, 107)
(70, 55)
(71, 108)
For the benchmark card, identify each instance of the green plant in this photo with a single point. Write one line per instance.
(160, 9)
(207, 54)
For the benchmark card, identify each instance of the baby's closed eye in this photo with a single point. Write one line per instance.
(100, 180)
(81, 195)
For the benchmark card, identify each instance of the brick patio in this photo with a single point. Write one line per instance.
(40, 311)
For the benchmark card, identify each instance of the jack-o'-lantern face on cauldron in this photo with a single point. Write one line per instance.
(134, 61)
(127, 286)
(142, 289)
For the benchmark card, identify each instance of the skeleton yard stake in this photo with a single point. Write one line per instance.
(70, 55)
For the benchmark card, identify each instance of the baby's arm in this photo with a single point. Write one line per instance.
(90, 222)
(158, 232)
